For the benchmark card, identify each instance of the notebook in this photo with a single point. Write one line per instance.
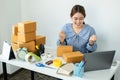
(66, 69)
(98, 60)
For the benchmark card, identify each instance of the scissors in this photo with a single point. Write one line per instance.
(42, 65)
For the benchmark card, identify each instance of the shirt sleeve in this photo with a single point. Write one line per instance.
(58, 41)
(93, 47)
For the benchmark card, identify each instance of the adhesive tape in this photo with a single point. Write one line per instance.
(31, 57)
(43, 56)
(57, 63)
(21, 55)
(49, 55)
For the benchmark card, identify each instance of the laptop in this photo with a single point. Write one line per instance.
(98, 60)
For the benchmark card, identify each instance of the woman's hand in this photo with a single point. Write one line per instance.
(62, 36)
(92, 39)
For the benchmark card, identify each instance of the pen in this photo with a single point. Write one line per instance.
(84, 63)
(81, 63)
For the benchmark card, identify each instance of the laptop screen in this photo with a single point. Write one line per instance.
(99, 60)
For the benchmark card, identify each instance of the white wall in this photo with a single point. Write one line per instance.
(51, 15)
(10, 13)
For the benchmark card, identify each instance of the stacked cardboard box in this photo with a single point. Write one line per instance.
(26, 31)
(63, 49)
(14, 37)
(73, 57)
(24, 35)
(68, 55)
(40, 39)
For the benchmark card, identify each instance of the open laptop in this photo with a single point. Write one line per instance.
(98, 60)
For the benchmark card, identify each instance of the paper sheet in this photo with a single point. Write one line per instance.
(6, 50)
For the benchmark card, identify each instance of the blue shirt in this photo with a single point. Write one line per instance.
(80, 41)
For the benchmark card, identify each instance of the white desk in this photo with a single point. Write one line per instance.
(93, 75)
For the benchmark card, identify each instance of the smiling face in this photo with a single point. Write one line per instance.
(78, 19)
(77, 15)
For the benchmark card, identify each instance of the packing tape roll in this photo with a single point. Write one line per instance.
(21, 55)
(44, 56)
(49, 55)
(57, 62)
(31, 57)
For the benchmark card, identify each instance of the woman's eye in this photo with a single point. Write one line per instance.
(81, 18)
(75, 18)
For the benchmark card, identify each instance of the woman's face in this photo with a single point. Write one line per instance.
(78, 19)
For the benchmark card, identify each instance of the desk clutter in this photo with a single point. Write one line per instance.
(29, 47)
(74, 61)
(24, 41)
(24, 35)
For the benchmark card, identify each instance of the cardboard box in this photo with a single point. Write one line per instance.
(63, 49)
(26, 37)
(73, 57)
(15, 29)
(40, 40)
(27, 26)
(14, 38)
(29, 45)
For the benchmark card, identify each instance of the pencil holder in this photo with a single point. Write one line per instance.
(78, 70)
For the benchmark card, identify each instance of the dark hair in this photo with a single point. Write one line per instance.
(77, 8)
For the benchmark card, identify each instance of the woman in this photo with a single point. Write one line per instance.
(78, 34)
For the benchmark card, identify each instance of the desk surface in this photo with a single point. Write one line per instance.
(92, 75)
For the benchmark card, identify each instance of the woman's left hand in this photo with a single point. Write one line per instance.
(92, 39)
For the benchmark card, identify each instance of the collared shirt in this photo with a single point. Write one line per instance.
(80, 41)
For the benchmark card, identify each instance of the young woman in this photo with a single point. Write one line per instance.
(78, 34)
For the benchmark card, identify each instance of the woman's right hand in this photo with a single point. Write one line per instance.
(62, 36)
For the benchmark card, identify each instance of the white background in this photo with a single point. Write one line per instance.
(10, 13)
(51, 15)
